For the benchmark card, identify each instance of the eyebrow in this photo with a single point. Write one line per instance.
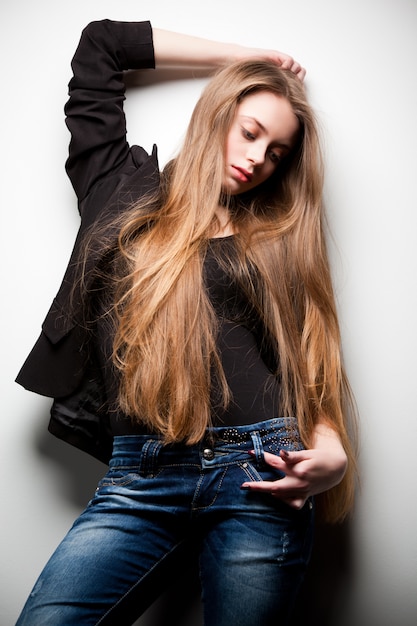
(262, 127)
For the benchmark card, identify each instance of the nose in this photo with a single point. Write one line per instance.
(256, 154)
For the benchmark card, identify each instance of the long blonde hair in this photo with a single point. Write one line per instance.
(165, 333)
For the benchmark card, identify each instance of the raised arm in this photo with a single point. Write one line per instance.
(175, 49)
(95, 116)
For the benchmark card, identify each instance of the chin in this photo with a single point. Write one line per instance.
(234, 189)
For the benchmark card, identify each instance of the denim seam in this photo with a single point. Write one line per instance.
(117, 483)
(252, 475)
(207, 506)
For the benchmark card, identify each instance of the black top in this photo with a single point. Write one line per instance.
(245, 353)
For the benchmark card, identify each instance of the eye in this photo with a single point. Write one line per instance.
(275, 157)
(247, 134)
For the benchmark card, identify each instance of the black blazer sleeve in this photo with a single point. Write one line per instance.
(105, 171)
(95, 117)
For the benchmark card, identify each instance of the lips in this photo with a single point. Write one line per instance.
(242, 174)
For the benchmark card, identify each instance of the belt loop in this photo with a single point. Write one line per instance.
(258, 447)
(149, 457)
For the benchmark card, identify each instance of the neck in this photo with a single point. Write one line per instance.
(225, 226)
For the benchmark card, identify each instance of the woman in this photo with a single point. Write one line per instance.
(194, 341)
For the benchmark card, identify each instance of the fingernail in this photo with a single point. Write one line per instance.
(251, 452)
(245, 487)
(284, 452)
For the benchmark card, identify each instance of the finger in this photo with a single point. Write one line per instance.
(284, 460)
(302, 74)
(288, 486)
(299, 71)
(261, 485)
(295, 67)
(293, 457)
(287, 62)
(275, 461)
(271, 489)
(295, 503)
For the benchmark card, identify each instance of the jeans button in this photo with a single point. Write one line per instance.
(208, 454)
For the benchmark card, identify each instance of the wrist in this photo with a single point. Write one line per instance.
(179, 50)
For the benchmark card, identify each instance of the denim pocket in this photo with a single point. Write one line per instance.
(258, 473)
(117, 477)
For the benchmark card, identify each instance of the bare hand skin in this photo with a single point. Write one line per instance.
(283, 60)
(307, 472)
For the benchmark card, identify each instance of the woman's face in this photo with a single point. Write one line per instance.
(263, 132)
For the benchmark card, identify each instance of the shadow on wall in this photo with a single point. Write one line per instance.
(322, 596)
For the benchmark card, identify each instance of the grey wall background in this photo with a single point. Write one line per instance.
(361, 58)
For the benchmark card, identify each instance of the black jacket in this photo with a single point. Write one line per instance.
(107, 175)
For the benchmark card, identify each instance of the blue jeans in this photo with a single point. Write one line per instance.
(152, 504)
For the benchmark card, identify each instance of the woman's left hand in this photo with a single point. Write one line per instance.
(307, 472)
(285, 61)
